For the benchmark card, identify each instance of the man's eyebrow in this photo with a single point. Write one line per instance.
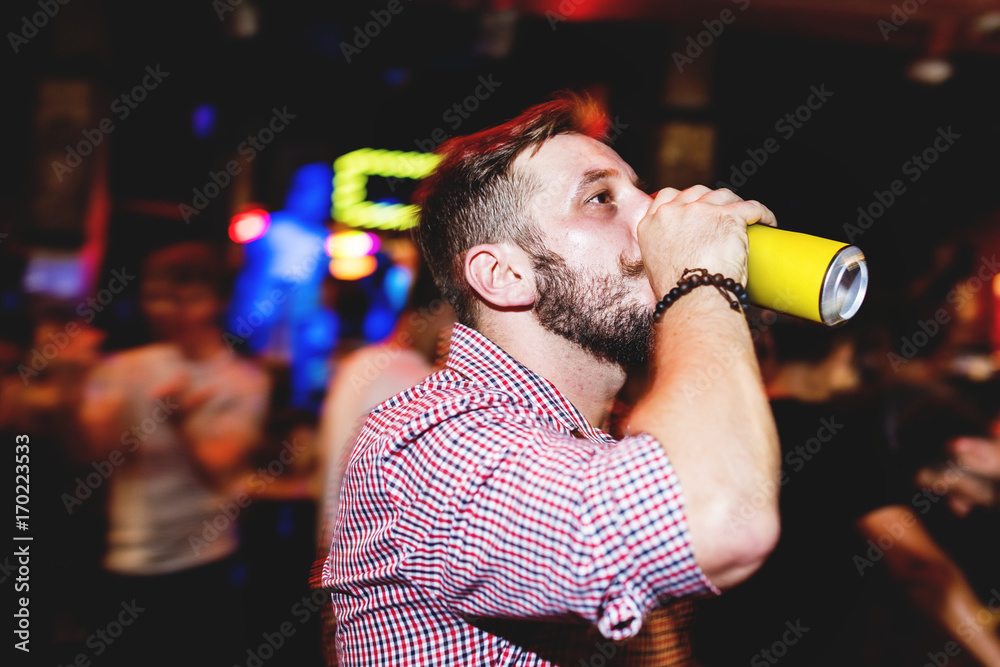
(592, 176)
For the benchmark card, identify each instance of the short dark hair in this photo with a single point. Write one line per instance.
(186, 264)
(474, 196)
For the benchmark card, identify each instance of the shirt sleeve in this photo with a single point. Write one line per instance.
(501, 516)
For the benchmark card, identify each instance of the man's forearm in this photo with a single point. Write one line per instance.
(707, 407)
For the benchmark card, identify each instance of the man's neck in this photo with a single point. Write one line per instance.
(589, 383)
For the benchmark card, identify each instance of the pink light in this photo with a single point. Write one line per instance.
(249, 225)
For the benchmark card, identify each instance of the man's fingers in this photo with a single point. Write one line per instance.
(675, 196)
(753, 212)
(693, 193)
(664, 196)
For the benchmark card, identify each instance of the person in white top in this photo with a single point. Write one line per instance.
(177, 419)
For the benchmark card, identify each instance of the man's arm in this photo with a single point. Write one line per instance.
(707, 405)
(933, 581)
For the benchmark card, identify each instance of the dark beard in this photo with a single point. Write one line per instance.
(592, 314)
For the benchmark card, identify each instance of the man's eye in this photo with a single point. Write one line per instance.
(601, 198)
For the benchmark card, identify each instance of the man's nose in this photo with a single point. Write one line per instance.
(641, 208)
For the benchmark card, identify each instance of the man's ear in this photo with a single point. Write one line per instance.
(501, 274)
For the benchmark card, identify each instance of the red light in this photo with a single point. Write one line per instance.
(249, 225)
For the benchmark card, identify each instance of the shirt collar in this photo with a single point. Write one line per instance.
(481, 360)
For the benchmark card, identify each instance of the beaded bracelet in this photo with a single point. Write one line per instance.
(692, 278)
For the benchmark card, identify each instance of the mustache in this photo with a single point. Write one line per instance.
(631, 268)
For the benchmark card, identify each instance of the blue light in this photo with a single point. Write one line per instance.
(397, 285)
(203, 120)
(379, 322)
(396, 76)
(276, 309)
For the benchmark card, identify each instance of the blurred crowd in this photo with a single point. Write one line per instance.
(181, 498)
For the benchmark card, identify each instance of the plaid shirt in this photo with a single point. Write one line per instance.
(484, 521)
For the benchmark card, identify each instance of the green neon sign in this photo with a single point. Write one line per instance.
(350, 186)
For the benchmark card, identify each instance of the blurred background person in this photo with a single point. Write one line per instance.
(178, 419)
(970, 477)
(853, 539)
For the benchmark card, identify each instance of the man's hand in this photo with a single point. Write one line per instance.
(723, 457)
(697, 228)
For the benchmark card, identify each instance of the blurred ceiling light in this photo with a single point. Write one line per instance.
(497, 26)
(241, 18)
(930, 71)
(934, 68)
(987, 23)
